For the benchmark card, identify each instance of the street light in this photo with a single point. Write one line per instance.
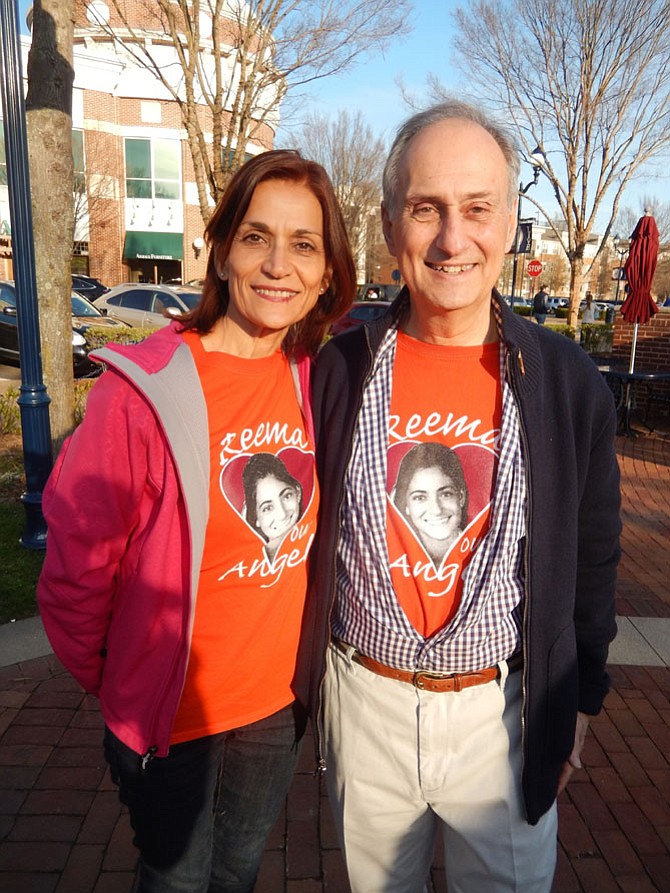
(537, 158)
(621, 248)
(33, 400)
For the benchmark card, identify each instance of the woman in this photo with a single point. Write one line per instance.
(155, 592)
(273, 499)
(589, 312)
(431, 493)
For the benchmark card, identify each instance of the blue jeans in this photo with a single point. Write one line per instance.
(201, 815)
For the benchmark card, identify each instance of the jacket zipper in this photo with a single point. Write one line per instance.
(320, 734)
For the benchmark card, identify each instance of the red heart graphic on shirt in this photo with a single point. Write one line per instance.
(270, 492)
(439, 491)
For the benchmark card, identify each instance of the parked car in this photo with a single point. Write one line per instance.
(138, 304)
(84, 315)
(88, 286)
(554, 304)
(519, 301)
(380, 291)
(605, 307)
(360, 312)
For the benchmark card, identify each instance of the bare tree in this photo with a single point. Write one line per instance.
(628, 217)
(661, 284)
(554, 272)
(229, 64)
(586, 80)
(49, 129)
(354, 159)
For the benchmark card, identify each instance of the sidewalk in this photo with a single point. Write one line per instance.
(62, 829)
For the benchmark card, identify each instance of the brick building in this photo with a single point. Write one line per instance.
(137, 210)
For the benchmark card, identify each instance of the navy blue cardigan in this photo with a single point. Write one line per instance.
(568, 428)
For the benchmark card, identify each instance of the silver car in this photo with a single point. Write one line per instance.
(148, 305)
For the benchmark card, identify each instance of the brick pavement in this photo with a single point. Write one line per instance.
(62, 829)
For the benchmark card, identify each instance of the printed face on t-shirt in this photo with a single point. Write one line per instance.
(434, 505)
(277, 508)
(271, 493)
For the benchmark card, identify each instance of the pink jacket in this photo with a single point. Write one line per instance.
(127, 505)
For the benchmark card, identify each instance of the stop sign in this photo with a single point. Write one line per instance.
(534, 267)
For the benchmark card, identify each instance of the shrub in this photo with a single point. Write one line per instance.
(10, 418)
(10, 414)
(81, 390)
(597, 338)
(562, 312)
(97, 336)
(522, 309)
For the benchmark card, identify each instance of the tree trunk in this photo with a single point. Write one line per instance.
(576, 280)
(49, 128)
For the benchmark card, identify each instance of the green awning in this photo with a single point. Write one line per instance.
(154, 246)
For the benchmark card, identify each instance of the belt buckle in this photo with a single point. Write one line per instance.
(418, 683)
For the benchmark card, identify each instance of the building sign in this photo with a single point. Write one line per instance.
(140, 245)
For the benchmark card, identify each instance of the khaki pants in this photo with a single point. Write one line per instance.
(404, 763)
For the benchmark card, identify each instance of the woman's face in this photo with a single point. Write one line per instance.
(434, 504)
(277, 264)
(277, 507)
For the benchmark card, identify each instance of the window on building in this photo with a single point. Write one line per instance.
(152, 168)
(228, 155)
(150, 112)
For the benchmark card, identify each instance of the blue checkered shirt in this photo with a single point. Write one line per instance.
(487, 625)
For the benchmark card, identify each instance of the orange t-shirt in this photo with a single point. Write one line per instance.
(444, 433)
(263, 501)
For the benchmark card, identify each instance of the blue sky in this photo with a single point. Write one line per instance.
(371, 85)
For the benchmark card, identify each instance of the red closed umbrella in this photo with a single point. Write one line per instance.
(640, 267)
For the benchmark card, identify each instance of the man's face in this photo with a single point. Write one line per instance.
(452, 224)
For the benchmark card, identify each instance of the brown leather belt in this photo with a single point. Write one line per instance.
(425, 679)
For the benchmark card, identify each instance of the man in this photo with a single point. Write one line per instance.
(540, 305)
(458, 688)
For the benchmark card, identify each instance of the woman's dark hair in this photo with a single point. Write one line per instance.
(259, 466)
(430, 455)
(306, 336)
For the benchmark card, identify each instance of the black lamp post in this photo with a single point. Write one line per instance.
(537, 159)
(621, 248)
(33, 400)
